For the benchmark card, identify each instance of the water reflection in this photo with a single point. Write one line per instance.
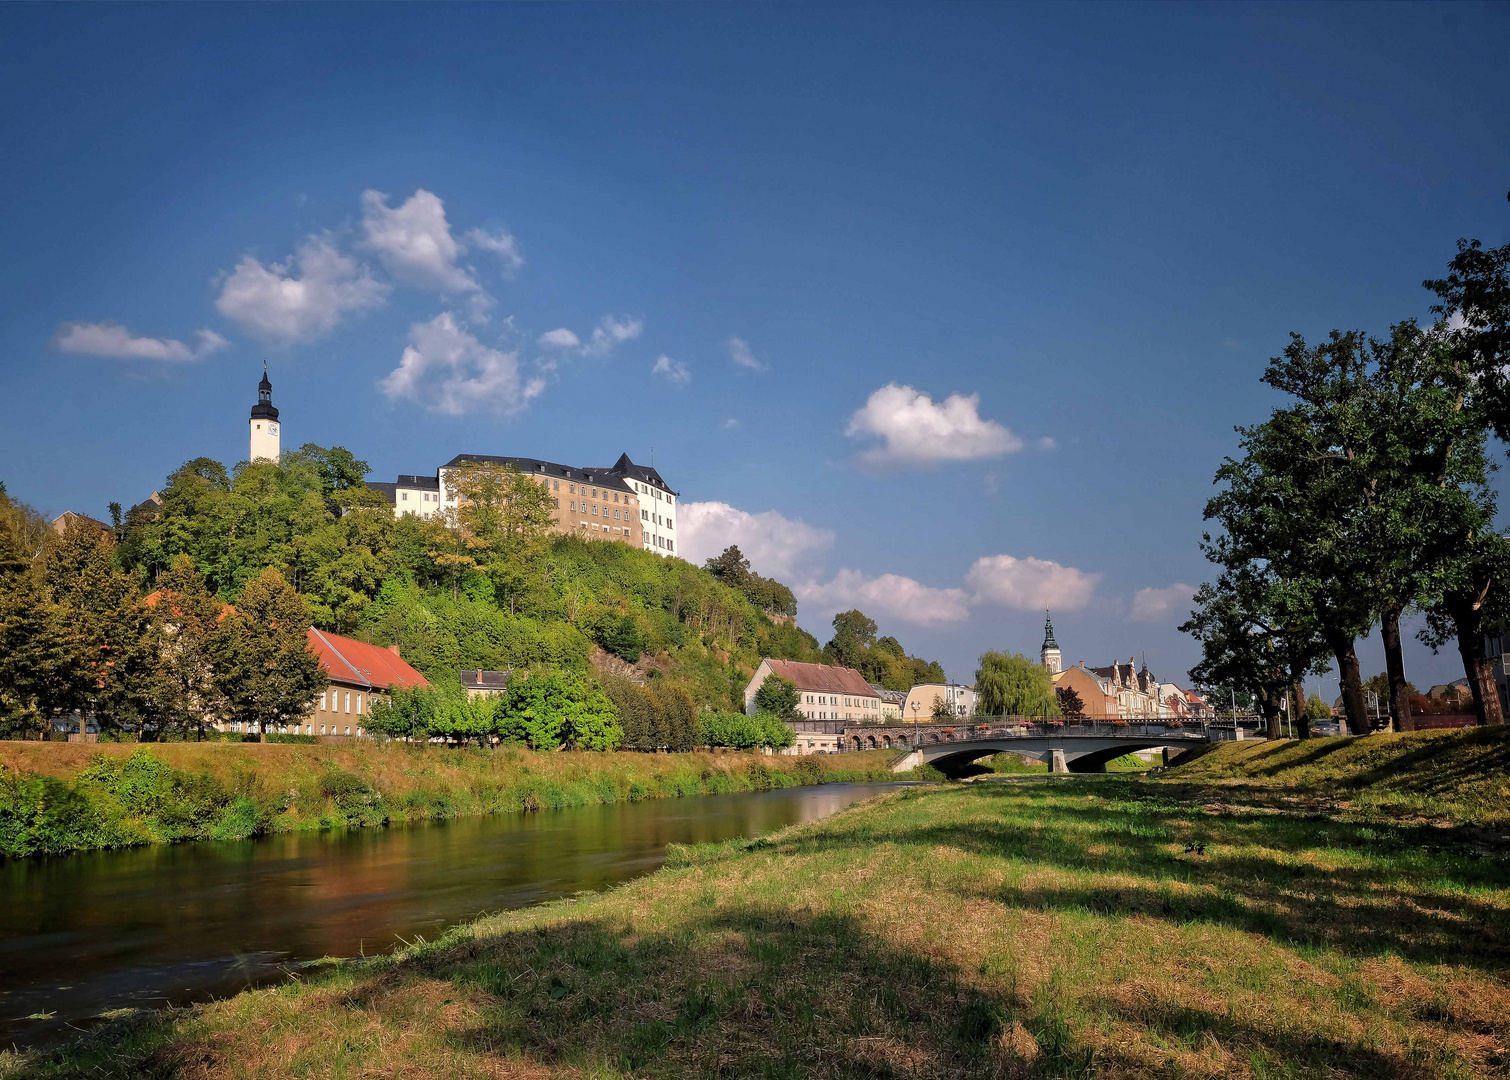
(108, 930)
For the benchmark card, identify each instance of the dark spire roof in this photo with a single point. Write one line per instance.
(1048, 632)
(264, 410)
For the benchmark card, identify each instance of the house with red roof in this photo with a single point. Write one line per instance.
(827, 694)
(359, 673)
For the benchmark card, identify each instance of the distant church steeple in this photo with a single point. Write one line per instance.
(1049, 656)
(264, 422)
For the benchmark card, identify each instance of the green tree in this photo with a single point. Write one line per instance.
(188, 657)
(1250, 639)
(1316, 709)
(266, 670)
(1009, 684)
(622, 638)
(557, 709)
(36, 656)
(778, 697)
(854, 636)
(1474, 306)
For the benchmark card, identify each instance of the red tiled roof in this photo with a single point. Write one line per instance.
(822, 678)
(347, 660)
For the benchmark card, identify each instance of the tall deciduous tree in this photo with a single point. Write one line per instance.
(778, 697)
(191, 644)
(34, 658)
(1009, 684)
(266, 670)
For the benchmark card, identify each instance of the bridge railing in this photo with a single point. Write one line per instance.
(909, 736)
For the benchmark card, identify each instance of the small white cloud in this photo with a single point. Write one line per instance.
(730, 423)
(889, 595)
(1156, 605)
(112, 339)
(559, 339)
(674, 370)
(610, 334)
(1030, 584)
(414, 242)
(740, 354)
(301, 299)
(450, 372)
(607, 336)
(776, 546)
(1047, 443)
(916, 433)
(500, 243)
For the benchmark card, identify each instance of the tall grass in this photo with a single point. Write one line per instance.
(57, 797)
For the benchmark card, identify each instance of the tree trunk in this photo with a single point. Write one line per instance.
(1269, 705)
(1298, 707)
(1352, 684)
(1394, 663)
(1479, 669)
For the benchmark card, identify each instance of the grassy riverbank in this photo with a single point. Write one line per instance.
(1460, 777)
(61, 797)
(1078, 927)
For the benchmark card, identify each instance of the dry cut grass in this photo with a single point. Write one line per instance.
(1088, 928)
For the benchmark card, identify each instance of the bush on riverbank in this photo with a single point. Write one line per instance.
(61, 797)
(1070, 929)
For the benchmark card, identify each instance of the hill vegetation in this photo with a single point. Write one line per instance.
(486, 586)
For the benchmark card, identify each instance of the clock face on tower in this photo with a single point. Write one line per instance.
(272, 428)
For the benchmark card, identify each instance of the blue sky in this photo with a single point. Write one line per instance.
(958, 304)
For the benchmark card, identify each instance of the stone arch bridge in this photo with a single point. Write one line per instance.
(1067, 746)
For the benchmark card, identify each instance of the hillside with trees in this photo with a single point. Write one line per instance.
(487, 586)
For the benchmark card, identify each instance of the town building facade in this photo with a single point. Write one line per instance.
(824, 691)
(921, 700)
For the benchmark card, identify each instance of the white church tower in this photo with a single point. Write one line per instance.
(1049, 655)
(264, 423)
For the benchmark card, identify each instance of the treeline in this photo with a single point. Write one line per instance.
(879, 659)
(78, 638)
(1365, 496)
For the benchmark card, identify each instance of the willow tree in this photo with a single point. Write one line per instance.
(1009, 684)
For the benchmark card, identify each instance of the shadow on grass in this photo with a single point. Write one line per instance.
(1432, 911)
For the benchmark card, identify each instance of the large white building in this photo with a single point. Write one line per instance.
(625, 502)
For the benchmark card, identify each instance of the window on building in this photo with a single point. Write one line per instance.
(322, 701)
(359, 706)
(615, 513)
(348, 729)
(594, 493)
(322, 729)
(644, 515)
(595, 509)
(404, 495)
(348, 701)
(558, 485)
(556, 503)
(668, 524)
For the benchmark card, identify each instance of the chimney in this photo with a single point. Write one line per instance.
(394, 650)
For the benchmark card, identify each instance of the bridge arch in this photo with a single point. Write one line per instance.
(1081, 753)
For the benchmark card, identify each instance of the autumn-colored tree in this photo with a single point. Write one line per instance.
(190, 651)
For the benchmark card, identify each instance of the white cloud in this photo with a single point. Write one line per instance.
(1029, 584)
(112, 339)
(301, 299)
(414, 242)
(917, 433)
(888, 595)
(608, 335)
(1047, 443)
(740, 354)
(451, 372)
(730, 423)
(559, 339)
(500, 243)
(1156, 605)
(776, 545)
(674, 370)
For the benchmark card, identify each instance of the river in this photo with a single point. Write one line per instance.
(84, 934)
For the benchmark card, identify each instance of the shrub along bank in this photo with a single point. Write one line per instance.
(59, 797)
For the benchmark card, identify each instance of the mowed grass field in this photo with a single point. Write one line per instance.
(1070, 927)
